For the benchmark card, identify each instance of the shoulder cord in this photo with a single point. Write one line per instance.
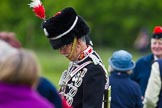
(67, 75)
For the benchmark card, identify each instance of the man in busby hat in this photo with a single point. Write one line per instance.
(142, 70)
(84, 82)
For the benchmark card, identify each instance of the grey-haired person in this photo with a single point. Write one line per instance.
(142, 70)
(84, 82)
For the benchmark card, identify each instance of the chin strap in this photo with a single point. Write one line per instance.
(73, 48)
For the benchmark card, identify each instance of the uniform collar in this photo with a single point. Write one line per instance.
(85, 53)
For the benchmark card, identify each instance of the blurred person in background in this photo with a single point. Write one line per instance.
(125, 93)
(142, 70)
(19, 75)
(142, 41)
(45, 87)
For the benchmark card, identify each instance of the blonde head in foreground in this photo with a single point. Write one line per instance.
(20, 68)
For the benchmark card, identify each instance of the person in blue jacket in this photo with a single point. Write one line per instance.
(48, 90)
(142, 70)
(125, 93)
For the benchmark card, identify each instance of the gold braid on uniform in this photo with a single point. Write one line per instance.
(73, 47)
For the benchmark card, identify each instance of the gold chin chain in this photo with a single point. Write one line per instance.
(73, 48)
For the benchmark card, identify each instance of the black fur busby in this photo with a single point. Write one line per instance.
(64, 26)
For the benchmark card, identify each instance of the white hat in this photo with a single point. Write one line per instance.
(6, 50)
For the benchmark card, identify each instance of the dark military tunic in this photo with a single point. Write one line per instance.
(83, 84)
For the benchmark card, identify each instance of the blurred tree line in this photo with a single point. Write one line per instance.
(114, 23)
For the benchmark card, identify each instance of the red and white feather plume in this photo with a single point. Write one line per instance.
(38, 9)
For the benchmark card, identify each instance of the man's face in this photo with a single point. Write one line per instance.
(156, 47)
(66, 51)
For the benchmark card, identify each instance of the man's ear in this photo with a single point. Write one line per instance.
(79, 41)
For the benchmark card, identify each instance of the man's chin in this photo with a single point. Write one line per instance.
(68, 57)
(158, 55)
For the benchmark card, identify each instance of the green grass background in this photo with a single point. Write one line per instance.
(53, 64)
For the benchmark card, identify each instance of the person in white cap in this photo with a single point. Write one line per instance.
(6, 50)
